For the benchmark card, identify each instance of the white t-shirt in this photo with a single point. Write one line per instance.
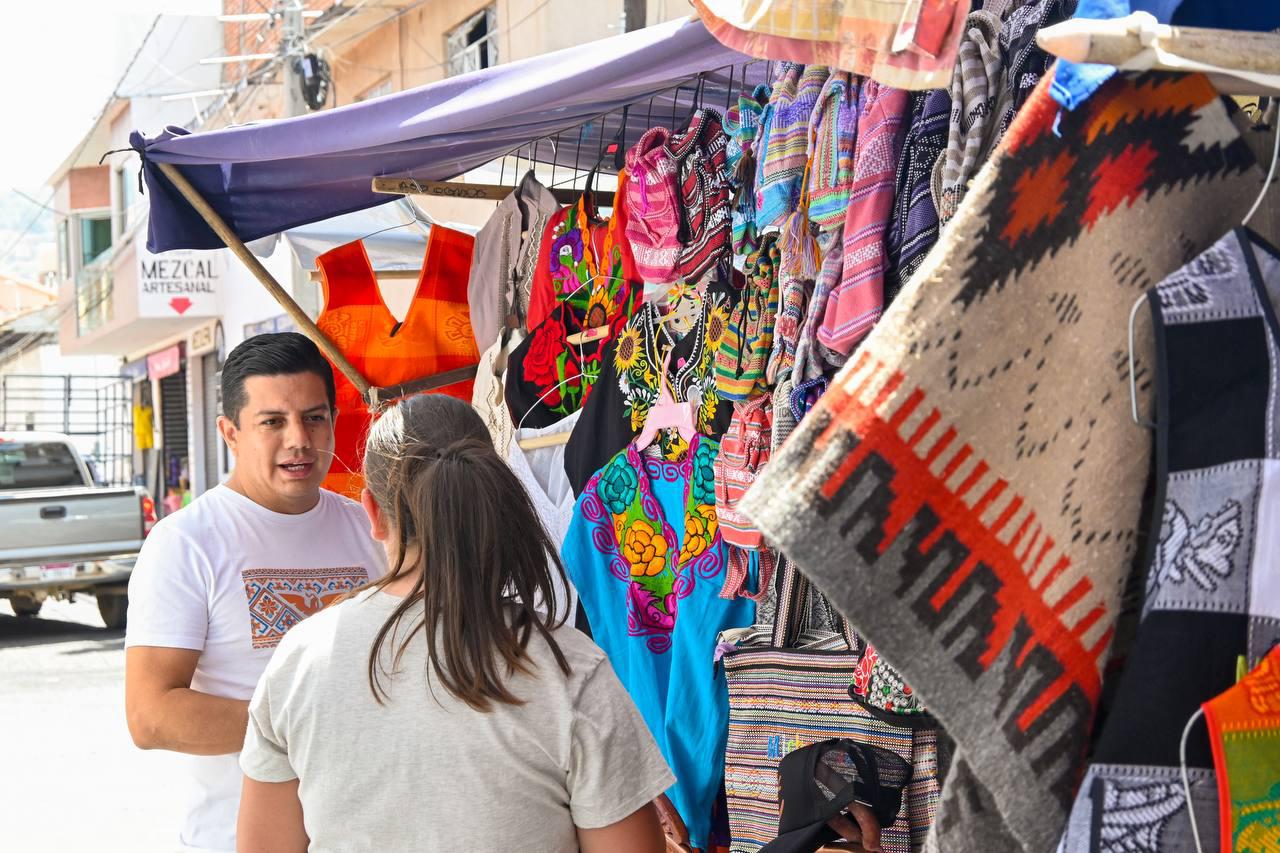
(228, 577)
(519, 777)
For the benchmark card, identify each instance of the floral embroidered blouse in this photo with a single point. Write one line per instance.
(585, 279)
(628, 387)
(645, 554)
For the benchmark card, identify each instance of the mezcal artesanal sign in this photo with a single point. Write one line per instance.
(179, 283)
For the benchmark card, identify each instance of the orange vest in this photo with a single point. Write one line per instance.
(435, 336)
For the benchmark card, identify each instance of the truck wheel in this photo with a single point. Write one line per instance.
(113, 609)
(25, 605)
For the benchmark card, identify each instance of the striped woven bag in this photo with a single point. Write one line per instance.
(789, 688)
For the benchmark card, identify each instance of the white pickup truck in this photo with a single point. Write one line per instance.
(60, 533)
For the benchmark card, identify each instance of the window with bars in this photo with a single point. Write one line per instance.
(473, 44)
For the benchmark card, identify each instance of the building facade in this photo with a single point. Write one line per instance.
(167, 321)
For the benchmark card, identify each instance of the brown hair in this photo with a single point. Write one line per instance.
(460, 513)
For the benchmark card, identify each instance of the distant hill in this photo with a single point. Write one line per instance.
(16, 213)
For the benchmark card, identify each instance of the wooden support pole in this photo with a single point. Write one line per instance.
(236, 245)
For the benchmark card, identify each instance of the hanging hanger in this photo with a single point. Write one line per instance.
(545, 394)
(1133, 312)
(419, 217)
(666, 412)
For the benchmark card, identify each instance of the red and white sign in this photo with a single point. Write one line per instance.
(164, 363)
(180, 283)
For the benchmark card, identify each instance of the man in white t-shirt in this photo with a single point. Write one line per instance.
(220, 582)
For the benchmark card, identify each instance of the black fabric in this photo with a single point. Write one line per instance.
(603, 428)
(1181, 659)
(537, 394)
(1217, 378)
(820, 781)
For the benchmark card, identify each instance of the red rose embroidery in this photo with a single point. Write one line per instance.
(544, 350)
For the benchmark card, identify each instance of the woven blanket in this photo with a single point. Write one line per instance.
(967, 491)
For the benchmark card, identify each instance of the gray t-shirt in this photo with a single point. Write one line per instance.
(426, 772)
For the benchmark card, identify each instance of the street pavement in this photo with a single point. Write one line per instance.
(70, 778)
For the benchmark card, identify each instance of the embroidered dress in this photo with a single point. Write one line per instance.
(584, 260)
(645, 554)
(628, 387)
(434, 337)
(549, 378)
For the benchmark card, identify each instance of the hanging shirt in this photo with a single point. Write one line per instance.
(502, 264)
(435, 336)
(541, 471)
(1212, 587)
(645, 553)
(857, 301)
(584, 261)
(144, 429)
(628, 387)
(488, 396)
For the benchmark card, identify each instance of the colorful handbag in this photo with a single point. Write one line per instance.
(789, 688)
(653, 200)
(747, 344)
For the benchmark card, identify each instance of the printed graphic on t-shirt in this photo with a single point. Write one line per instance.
(281, 598)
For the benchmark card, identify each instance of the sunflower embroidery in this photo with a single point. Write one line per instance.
(599, 307)
(717, 324)
(629, 349)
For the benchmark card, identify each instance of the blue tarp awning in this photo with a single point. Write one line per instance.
(269, 177)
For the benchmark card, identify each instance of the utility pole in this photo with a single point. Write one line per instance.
(291, 41)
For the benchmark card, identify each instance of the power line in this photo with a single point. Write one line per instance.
(37, 202)
(84, 142)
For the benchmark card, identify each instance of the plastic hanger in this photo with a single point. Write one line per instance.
(666, 413)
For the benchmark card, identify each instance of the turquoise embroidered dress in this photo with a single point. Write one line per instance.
(645, 554)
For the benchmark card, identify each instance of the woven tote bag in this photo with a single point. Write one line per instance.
(789, 688)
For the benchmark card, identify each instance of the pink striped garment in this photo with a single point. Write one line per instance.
(857, 301)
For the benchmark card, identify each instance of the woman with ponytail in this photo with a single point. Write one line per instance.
(439, 708)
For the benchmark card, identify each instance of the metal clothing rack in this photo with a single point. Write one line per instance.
(616, 124)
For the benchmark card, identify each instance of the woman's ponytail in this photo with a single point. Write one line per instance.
(459, 512)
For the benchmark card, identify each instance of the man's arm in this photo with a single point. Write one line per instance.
(270, 818)
(163, 711)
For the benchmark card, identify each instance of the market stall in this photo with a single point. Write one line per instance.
(831, 413)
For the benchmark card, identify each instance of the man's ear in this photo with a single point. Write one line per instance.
(229, 431)
(378, 528)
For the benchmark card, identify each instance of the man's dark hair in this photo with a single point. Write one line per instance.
(275, 354)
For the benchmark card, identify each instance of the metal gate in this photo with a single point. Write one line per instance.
(95, 411)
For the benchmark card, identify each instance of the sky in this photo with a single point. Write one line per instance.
(59, 60)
